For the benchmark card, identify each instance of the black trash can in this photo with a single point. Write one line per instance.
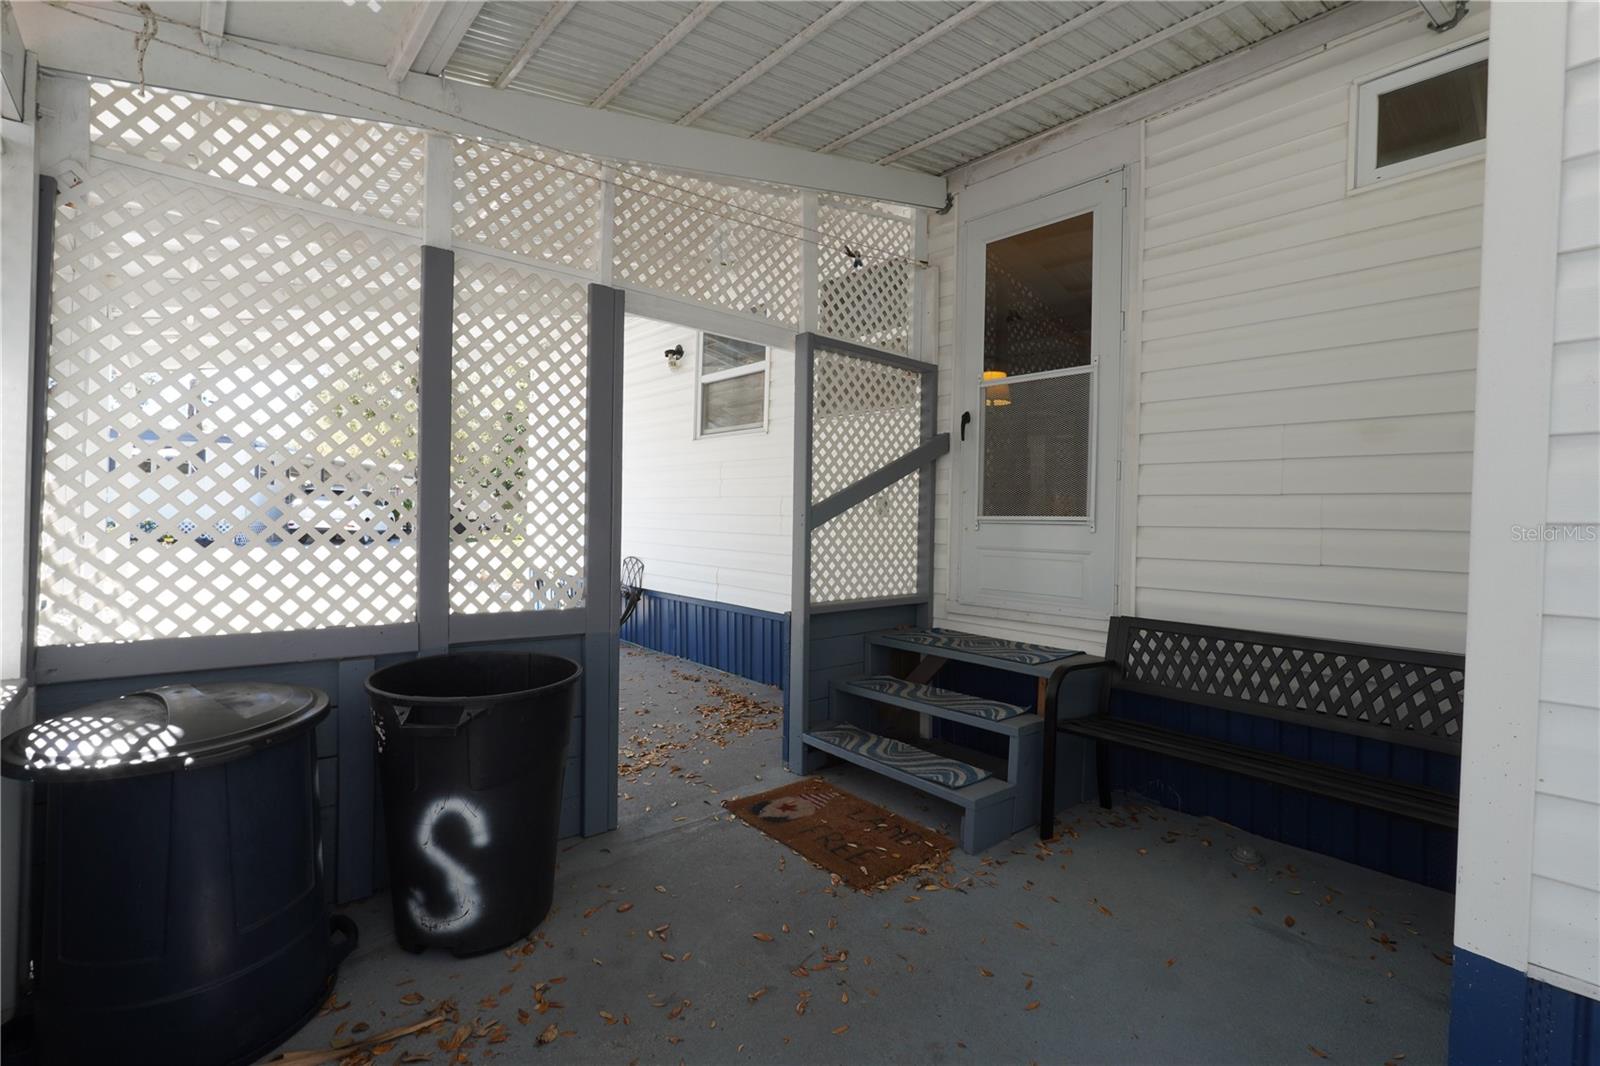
(182, 900)
(472, 750)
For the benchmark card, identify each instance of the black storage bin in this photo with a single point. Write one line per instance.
(183, 913)
(472, 750)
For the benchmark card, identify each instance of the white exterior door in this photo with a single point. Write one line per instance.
(1037, 403)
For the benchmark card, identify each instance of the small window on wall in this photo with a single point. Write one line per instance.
(732, 387)
(1424, 116)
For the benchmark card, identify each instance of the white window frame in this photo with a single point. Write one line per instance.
(701, 379)
(1364, 170)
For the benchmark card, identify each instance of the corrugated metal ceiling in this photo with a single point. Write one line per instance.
(926, 85)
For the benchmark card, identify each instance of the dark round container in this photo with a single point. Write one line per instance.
(472, 750)
(182, 902)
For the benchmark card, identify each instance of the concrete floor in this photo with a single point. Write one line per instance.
(1134, 938)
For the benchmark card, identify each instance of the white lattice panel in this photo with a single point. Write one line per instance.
(528, 201)
(709, 242)
(866, 276)
(870, 551)
(231, 426)
(865, 415)
(369, 168)
(518, 463)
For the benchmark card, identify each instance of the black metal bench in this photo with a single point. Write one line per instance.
(1409, 698)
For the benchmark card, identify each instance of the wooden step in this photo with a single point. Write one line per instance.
(1011, 656)
(991, 809)
(980, 712)
(839, 738)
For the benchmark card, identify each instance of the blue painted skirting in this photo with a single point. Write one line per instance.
(1502, 1017)
(740, 640)
(1367, 837)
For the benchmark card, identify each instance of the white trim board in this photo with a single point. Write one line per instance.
(1505, 586)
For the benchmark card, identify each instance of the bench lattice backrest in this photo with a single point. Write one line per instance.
(1393, 694)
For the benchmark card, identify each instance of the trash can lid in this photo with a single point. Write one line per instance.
(170, 727)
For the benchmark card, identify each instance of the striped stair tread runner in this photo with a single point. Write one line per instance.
(1009, 651)
(951, 773)
(977, 706)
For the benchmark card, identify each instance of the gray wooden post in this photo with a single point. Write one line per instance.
(800, 759)
(434, 401)
(602, 578)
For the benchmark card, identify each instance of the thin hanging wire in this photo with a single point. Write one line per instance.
(789, 228)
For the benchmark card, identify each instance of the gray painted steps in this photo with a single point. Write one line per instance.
(990, 809)
(1006, 719)
(1011, 656)
(978, 794)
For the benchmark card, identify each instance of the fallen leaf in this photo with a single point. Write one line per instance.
(1171, 963)
(1288, 920)
(757, 994)
(322, 1055)
(411, 999)
(549, 1033)
(1318, 1052)
(1032, 1006)
(985, 972)
(624, 908)
(841, 1030)
(765, 938)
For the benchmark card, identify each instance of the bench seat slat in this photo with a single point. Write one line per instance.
(1397, 797)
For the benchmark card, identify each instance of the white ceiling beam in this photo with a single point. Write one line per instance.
(662, 47)
(289, 77)
(970, 11)
(453, 25)
(541, 33)
(1058, 84)
(213, 19)
(1053, 34)
(828, 18)
(418, 25)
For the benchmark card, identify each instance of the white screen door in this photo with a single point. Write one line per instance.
(1038, 400)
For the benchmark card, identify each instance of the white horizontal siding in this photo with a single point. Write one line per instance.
(1564, 935)
(1305, 356)
(1305, 395)
(710, 518)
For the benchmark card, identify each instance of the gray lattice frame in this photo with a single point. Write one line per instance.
(808, 516)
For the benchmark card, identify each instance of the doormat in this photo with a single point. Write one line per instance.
(866, 846)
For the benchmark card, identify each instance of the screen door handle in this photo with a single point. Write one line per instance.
(966, 416)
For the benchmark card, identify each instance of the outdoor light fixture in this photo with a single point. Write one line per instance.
(998, 395)
(1442, 14)
(674, 356)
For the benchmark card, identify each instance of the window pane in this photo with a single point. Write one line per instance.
(734, 403)
(1038, 289)
(1036, 448)
(1430, 116)
(725, 353)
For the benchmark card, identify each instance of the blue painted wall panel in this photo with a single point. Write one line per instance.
(740, 640)
(1369, 838)
(1502, 1017)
